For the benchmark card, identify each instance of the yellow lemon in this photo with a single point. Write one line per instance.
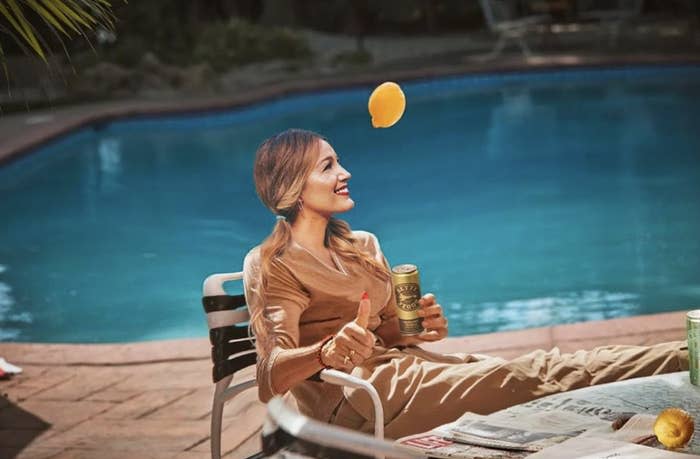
(674, 427)
(386, 104)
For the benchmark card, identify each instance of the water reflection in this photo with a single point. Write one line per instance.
(109, 154)
(8, 320)
(559, 308)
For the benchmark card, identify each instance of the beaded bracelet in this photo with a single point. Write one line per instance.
(320, 349)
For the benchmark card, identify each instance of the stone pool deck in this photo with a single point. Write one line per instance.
(152, 399)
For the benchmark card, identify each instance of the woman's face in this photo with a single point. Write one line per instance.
(325, 191)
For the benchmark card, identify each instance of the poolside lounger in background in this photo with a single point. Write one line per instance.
(233, 348)
(611, 13)
(502, 18)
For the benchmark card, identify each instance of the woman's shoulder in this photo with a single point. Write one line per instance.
(251, 261)
(366, 240)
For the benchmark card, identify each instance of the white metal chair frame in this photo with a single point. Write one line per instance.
(615, 18)
(298, 426)
(214, 288)
(508, 27)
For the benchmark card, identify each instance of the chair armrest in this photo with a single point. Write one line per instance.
(343, 379)
(279, 415)
(214, 284)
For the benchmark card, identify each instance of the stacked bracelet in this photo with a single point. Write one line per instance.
(320, 349)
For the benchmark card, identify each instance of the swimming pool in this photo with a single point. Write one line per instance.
(526, 199)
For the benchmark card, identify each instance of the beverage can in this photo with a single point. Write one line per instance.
(407, 292)
(693, 326)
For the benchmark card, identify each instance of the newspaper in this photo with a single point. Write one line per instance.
(475, 435)
(437, 443)
(533, 432)
(603, 448)
(546, 424)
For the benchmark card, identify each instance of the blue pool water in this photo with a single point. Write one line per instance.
(525, 199)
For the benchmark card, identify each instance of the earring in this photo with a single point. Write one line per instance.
(300, 205)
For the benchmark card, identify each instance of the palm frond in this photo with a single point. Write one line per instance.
(62, 17)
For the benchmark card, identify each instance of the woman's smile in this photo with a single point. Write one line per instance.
(343, 190)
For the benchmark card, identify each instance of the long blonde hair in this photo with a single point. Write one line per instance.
(283, 163)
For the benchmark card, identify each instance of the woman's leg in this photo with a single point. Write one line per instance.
(541, 373)
(419, 395)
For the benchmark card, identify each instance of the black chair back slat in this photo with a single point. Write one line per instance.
(223, 368)
(225, 350)
(222, 302)
(231, 345)
(221, 335)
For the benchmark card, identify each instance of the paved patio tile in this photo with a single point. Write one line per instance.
(249, 447)
(494, 343)
(85, 382)
(28, 453)
(80, 453)
(234, 408)
(194, 405)
(29, 386)
(169, 375)
(621, 327)
(637, 340)
(35, 414)
(145, 403)
(200, 455)
(135, 439)
(105, 354)
(113, 395)
(236, 431)
(24, 438)
(28, 372)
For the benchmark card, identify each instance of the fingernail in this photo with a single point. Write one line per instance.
(365, 295)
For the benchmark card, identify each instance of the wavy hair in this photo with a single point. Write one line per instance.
(283, 163)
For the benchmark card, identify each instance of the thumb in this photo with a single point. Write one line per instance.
(363, 311)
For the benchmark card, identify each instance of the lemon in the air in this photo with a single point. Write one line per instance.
(386, 104)
(674, 427)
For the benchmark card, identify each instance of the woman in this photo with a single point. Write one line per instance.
(320, 296)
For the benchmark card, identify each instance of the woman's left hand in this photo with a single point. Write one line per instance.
(434, 321)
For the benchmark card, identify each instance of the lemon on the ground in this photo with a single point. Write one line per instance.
(674, 427)
(386, 104)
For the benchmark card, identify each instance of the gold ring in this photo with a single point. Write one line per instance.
(345, 360)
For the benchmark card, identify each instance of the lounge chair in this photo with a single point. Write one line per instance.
(233, 348)
(288, 434)
(612, 14)
(502, 18)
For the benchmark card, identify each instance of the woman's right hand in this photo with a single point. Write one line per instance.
(353, 344)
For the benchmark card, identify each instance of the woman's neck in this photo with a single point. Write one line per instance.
(310, 232)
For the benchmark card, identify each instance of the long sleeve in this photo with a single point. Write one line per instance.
(285, 301)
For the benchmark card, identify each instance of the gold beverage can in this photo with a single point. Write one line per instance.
(407, 291)
(693, 326)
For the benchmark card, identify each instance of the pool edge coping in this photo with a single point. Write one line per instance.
(108, 111)
(618, 330)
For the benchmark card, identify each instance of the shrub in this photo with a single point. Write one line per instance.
(237, 42)
(355, 58)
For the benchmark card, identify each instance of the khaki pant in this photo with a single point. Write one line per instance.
(419, 393)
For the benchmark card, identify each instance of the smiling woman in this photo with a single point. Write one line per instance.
(308, 315)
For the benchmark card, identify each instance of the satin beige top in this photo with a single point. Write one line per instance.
(308, 300)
